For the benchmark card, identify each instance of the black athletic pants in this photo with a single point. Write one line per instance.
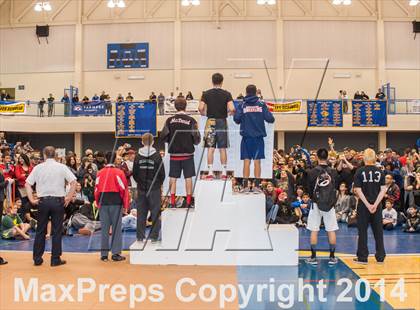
(364, 218)
(49, 207)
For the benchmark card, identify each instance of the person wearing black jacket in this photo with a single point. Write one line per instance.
(181, 133)
(3, 184)
(149, 173)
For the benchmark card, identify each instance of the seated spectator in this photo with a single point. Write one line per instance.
(389, 216)
(286, 214)
(357, 96)
(75, 98)
(302, 207)
(342, 206)
(413, 221)
(95, 97)
(129, 222)
(120, 98)
(86, 219)
(85, 99)
(392, 192)
(270, 196)
(12, 225)
(240, 97)
(88, 185)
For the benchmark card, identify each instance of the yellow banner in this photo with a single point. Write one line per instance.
(293, 106)
(14, 108)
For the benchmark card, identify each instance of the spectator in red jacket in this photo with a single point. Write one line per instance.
(23, 169)
(111, 196)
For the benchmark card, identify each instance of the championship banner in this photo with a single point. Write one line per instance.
(133, 119)
(325, 113)
(192, 106)
(90, 108)
(285, 107)
(12, 107)
(413, 106)
(369, 113)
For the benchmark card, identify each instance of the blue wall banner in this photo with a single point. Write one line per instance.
(369, 113)
(133, 119)
(325, 113)
(127, 55)
(90, 108)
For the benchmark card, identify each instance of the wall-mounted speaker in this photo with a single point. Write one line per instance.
(416, 27)
(42, 31)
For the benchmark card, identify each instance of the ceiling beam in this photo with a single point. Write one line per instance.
(368, 7)
(402, 7)
(301, 7)
(333, 6)
(59, 9)
(25, 10)
(92, 8)
(155, 8)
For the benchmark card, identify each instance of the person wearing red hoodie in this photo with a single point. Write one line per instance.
(22, 170)
(111, 195)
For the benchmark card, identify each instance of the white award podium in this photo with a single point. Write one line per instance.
(224, 228)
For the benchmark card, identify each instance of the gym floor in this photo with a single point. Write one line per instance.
(403, 261)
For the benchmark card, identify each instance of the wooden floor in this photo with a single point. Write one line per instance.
(395, 268)
(88, 265)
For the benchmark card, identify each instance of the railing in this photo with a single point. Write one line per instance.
(401, 106)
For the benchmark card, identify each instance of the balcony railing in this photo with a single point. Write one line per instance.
(400, 106)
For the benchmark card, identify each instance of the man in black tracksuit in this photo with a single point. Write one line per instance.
(181, 133)
(149, 173)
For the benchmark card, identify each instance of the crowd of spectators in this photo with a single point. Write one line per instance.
(287, 197)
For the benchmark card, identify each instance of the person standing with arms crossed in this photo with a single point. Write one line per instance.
(50, 178)
(216, 103)
(369, 186)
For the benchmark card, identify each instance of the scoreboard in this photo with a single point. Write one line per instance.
(127, 55)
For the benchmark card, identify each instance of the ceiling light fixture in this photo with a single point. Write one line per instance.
(414, 2)
(42, 6)
(266, 2)
(341, 2)
(116, 3)
(190, 2)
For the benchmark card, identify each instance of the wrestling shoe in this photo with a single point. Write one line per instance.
(209, 177)
(311, 261)
(332, 261)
